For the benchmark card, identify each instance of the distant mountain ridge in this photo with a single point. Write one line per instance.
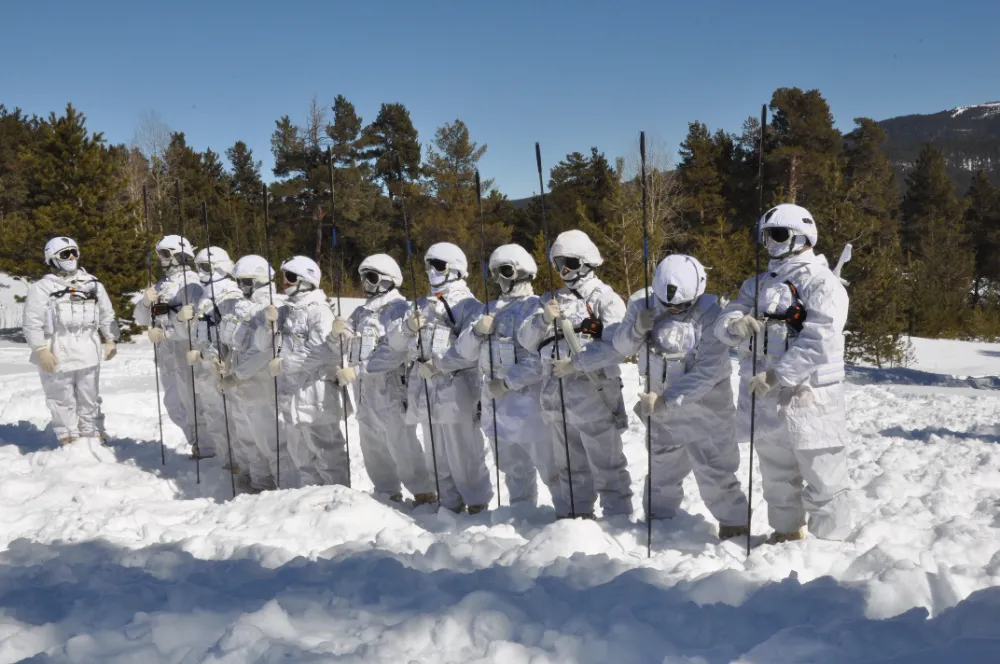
(969, 137)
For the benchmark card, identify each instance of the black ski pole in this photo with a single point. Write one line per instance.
(156, 353)
(756, 313)
(489, 338)
(218, 340)
(649, 341)
(184, 269)
(274, 347)
(555, 330)
(340, 342)
(420, 343)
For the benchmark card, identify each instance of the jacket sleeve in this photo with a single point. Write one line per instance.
(601, 354)
(398, 335)
(626, 339)
(36, 303)
(108, 324)
(177, 330)
(534, 330)
(738, 308)
(259, 353)
(469, 310)
(319, 352)
(142, 313)
(821, 339)
(468, 344)
(384, 358)
(711, 365)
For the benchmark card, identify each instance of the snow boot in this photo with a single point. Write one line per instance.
(196, 453)
(729, 532)
(231, 467)
(243, 482)
(67, 440)
(395, 497)
(424, 498)
(586, 516)
(476, 509)
(458, 509)
(779, 538)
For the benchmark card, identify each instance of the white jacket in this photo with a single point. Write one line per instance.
(70, 315)
(172, 296)
(205, 325)
(454, 394)
(381, 385)
(518, 411)
(814, 354)
(246, 334)
(697, 387)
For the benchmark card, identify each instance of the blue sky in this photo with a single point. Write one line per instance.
(568, 74)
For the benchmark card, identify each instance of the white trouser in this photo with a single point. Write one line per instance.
(255, 435)
(178, 396)
(461, 463)
(72, 397)
(598, 466)
(800, 438)
(714, 463)
(211, 439)
(519, 461)
(318, 451)
(393, 455)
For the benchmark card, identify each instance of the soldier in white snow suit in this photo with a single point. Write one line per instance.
(247, 337)
(215, 274)
(690, 396)
(591, 379)
(70, 326)
(157, 309)
(309, 402)
(452, 383)
(523, 442)
(392, 452)
(801, 425)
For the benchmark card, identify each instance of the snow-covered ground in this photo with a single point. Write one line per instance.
(108, 555)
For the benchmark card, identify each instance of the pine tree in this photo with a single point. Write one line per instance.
(73, 188)
(941, 264)
(700, 176)
(802, 149)
(982, 223)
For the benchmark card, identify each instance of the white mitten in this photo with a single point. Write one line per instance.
(563, 367)
(764, 383)
(650, 403)
(274, 367)
(46, 360)
(484, 326)
(551, 311)
(193, 357)
(149, 296)
(645, 320)
(346, 375)
(156, 335)
(414, 322)
(742, 328)
(339, 326)
(110, 350)
(428, 369)
(271, 313)
(186, 313)
(496, 388)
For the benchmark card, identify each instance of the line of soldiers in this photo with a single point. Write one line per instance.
(545, 369)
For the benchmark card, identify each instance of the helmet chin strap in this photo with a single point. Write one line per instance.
(577, 275)
(792, 249)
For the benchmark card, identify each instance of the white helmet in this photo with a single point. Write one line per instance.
(799, 230)
(383, 268)
(251, 272)
(304, 270)
(510, 264)
(574, 255)
(213, 261)
(170, 247)
(679, 280)
(445, 262)
(58, 245)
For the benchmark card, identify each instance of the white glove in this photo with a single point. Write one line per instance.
(496, 388)
(339, 326)
(563, 367)
(645, 320)
(346, 375)
(742, 328)
(227, 383)
(428, 369)
(149, 296)
(218, 367)
(186, 313)
(110, 350)
(414, 322)
(274, 367)
(46, 360)
(193, 357)
(650, 403)
(551, 311)
(156, 335)
(484, 326)
(763, 383)
(271, 313)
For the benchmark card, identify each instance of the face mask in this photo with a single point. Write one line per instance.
(166, 257)
(67, 259)
(247, 286)
(437, 271)
(780, 242)
(570, 269)
(374, 284)
(504, 276)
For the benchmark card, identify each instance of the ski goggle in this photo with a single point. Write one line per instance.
(571, 263)
(246, 283)
(165, 254)
(68, 253)
(291, 277)
(371, 276)
(204, 267)
(437, 264)
(505, 271)
(779, 235)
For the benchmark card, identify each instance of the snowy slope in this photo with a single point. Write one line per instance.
(106, 555)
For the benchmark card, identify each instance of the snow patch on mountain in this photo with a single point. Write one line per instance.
(979, 111)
